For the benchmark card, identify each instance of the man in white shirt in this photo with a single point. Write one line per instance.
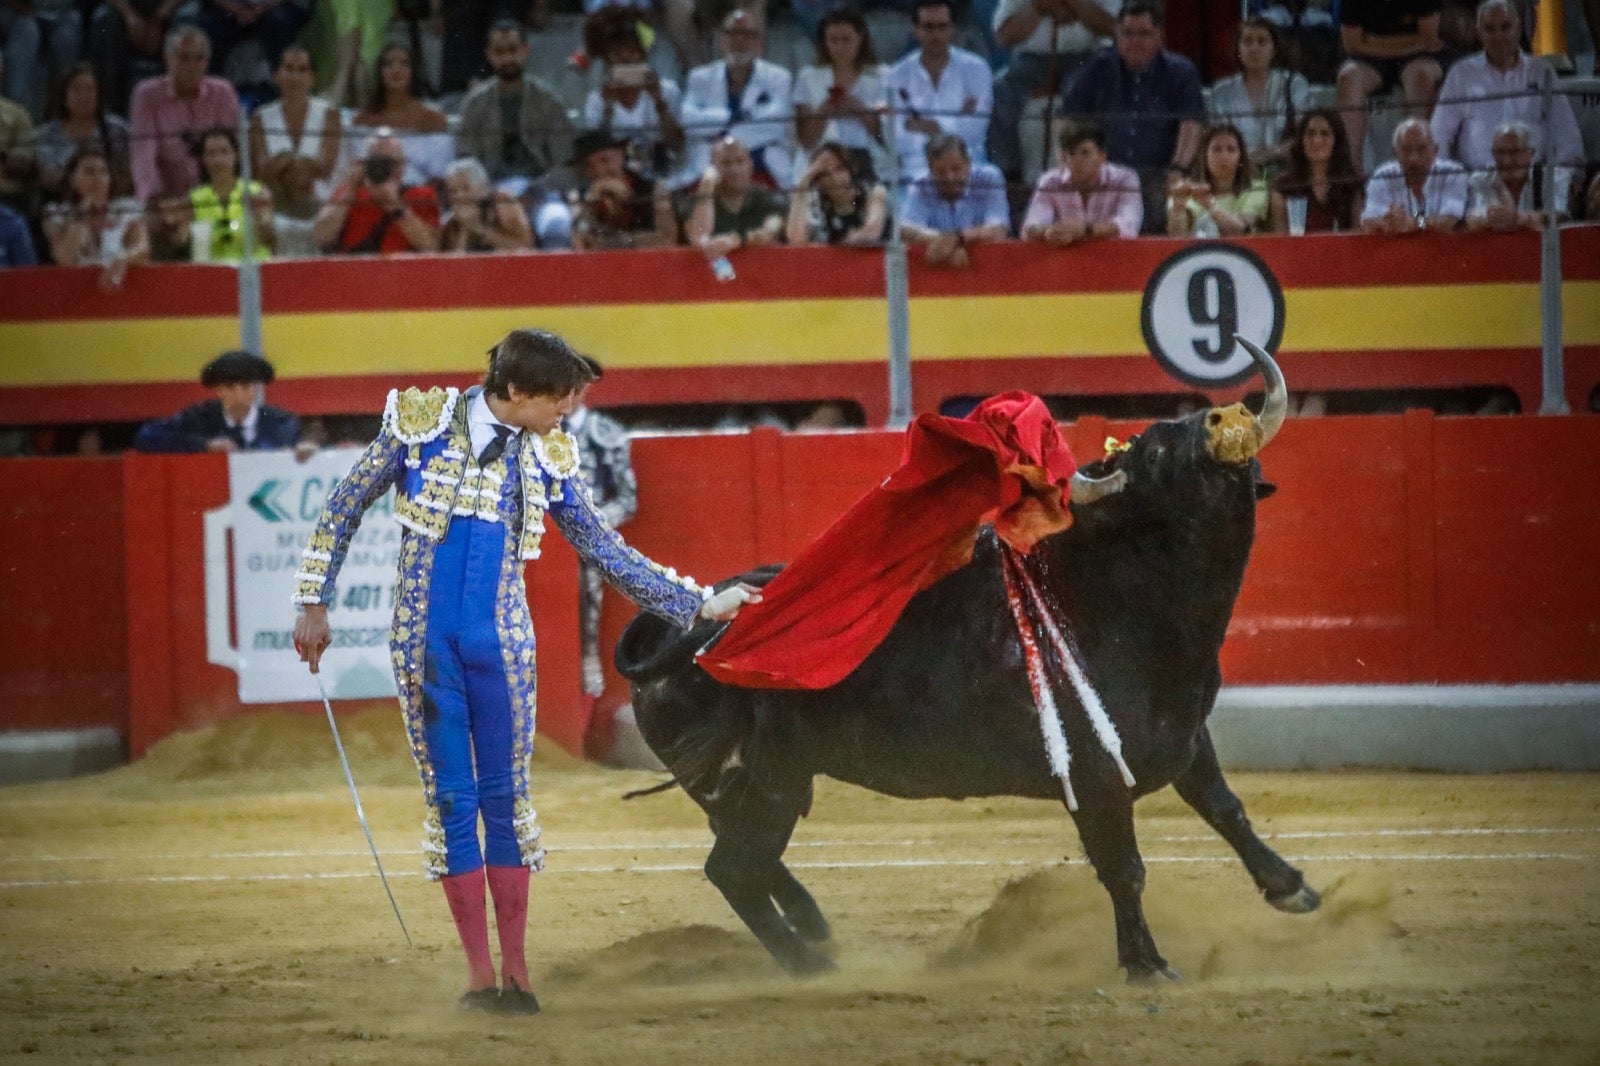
(1498, 85)
(939, 88)
(1049, 40)
(1416, 191)
(740, 95)
(1512, 195)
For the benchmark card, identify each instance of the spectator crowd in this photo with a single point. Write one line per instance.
(123, 139)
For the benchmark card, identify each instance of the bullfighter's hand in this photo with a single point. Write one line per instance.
(724, 605)
(312, 635)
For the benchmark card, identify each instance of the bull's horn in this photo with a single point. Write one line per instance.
(1086, 490)
(1276, 404)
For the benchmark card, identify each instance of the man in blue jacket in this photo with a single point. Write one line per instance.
(236, 420)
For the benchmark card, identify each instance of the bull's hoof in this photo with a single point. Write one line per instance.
(1153, 976)
(812, 928)
(1303, 900)
(810, 964)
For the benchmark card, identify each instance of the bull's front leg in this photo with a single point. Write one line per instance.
(1105, 823)
(1202, 787)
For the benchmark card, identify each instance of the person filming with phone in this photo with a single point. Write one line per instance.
(632, 100)
(372, 213)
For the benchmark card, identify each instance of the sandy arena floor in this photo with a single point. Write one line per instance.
(216, 904)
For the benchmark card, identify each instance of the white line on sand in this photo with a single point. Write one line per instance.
(1531, 856)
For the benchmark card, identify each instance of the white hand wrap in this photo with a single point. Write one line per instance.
(722, 602)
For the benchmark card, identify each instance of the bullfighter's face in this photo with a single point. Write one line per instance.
(535, 412)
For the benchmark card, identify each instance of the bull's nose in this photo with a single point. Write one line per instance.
(1233, 434)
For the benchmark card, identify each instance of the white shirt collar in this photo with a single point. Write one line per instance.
(481, 422)
(247, 426)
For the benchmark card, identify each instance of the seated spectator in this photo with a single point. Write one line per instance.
(618, 207)
(938, 89)
(957, 204)
(1511, 196)
(839, 98)
(1224, 197)
(122, 31)
(1416, 190)
(274, 24)
(237, 419)
(1148, 101)
(1086, 197)
(833, 203)
(742, 96)
(374, 213)
(218, 202)
(295, 140)
(1388, 43)
(1503, 84)
(396, 105)
(31, 29)
(78, 120)
(90, 228)
(169, 113)
(632, 100)
(514, 125)
(481, 217)
(730, 210)
(1263, 98)
(1591, 202)
(1049, 40)
(1318, 192)
(1308, 34)
(19, 168)
(166, 220)
(16, 243)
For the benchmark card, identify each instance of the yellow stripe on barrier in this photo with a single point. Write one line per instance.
(774, 333)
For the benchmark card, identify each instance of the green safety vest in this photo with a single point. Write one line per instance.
(227, 220)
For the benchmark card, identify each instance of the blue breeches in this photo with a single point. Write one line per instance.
(466, 706)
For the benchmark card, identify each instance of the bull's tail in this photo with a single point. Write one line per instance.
(650, 647)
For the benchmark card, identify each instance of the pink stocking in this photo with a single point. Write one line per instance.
(468, 908)
(509, 886)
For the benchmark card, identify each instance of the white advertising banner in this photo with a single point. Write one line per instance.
(273, 509)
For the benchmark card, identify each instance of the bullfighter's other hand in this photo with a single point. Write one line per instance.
(312, 635)
(724, 605)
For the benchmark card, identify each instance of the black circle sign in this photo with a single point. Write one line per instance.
(1197, 300)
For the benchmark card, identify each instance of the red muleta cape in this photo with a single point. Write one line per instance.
(1005, 463)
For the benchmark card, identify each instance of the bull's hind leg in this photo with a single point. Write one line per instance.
(744, 864)
(1203, 788)
(1105, 823)
(799, 909)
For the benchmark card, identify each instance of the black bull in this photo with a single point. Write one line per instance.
(1145, 580)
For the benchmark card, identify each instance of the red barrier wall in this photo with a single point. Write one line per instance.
(1397, 550)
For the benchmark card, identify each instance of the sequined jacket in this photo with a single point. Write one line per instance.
(423, 450)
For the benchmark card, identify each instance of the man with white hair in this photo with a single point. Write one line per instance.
(1512, 195)
(1416, 191)
(170, 111)
(1502, 84)
(742, 96)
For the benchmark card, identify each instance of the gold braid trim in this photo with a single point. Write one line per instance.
(416, 417)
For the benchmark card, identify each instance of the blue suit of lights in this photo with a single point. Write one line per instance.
(462, 638)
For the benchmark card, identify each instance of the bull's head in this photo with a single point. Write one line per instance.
(1231, 436)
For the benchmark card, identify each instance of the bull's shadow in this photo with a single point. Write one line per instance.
(1145, 580)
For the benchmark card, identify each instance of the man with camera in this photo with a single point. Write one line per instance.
(372, 213)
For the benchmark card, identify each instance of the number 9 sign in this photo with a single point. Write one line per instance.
(1197, 300)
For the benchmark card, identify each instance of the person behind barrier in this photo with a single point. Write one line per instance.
(482, 218)
(958, 204)
(618, 207)
(841, 96)
(1087, 196)
(1388, 43)
(1318, 192)
(1511, 196)
(90, 228)
(1148, 100)
(938, 89)
(373, 213)
(632, 100)
(1416, 191)
(218, 202)
(476, 476)
(1263, 99)
(169, 113)
(1223, 197)
(730, 210)
(16, 243)
(236, 419)
(834, 204)
(740, 95)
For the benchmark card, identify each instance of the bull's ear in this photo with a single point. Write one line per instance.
(1264, 488)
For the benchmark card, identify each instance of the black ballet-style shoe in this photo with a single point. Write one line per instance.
(484, 999)
(514, 1000)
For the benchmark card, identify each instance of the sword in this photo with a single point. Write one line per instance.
(360, 814)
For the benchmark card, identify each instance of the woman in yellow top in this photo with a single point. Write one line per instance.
(219, 199)
(1223, 197)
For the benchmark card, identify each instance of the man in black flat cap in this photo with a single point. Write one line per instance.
(236, 420)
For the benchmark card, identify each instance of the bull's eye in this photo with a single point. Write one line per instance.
(1214, 418)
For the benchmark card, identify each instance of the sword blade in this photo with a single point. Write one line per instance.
(361, 815)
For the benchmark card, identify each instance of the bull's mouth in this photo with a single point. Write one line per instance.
(1233, 434)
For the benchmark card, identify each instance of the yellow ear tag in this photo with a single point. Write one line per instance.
(1114, 445)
